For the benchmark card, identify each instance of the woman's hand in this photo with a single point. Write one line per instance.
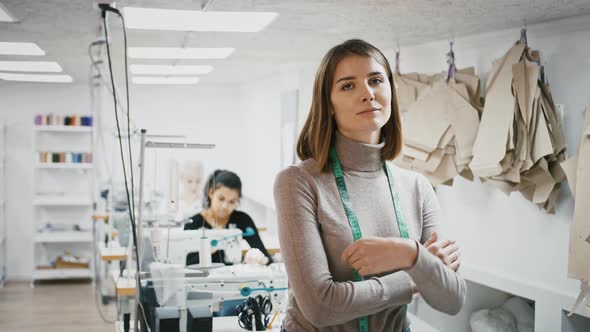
(255, 256)
(374, 255)
(446, 250)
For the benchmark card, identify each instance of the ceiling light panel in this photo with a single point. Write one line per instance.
(5, 16)
(140, 69)
(165, 80)
(36, 78)
(10, 48)
(178, 53)
(34, 66)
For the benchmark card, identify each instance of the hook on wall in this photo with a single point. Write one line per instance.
(451, 61)
(523, 33)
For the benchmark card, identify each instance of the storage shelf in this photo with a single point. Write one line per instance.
(63, 237)
(51, 274)
(64, 129)
(112, 253)
(525, 289)
(61, 201)
(64, 165)
(63, 198)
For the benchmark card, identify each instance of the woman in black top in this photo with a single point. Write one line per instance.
(221, 197)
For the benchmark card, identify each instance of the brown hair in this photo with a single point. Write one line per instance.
(317, 134)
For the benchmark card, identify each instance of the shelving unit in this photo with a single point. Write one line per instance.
(56, 274)
(61, 201)
(63, 237)
(64, 129)
(547, 301)
(489, 289)
(64, 165)
(63, 198)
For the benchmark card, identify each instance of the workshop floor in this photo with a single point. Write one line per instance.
(56, 306)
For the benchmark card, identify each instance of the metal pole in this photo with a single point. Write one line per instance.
(140, 202)
(139, 222)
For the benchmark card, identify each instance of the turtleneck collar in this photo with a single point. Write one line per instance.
(358, 156)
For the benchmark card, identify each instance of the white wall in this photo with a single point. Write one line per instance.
(261, 105)
(507, 235)
(205, 115)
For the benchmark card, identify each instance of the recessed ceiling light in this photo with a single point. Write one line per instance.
(165, 80)
(10, 48)
(170, 69)
(36, 78)
(179, 53)
(39, 66)
(5, 15)
(193, 20)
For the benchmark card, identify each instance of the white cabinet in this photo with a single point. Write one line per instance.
(488, 289)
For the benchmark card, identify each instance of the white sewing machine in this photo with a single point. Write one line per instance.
(173, 245)
(205, 288)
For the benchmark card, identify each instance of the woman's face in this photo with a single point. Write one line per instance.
(192, 184)
(224, 201)
(360, 96)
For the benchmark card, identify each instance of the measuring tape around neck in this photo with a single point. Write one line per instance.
(353, 221)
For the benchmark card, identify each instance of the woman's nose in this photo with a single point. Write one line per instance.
(368, 93)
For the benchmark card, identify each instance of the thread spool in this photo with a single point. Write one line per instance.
(205, 252)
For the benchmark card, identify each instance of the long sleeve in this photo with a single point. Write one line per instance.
(254, 241)
(323, 301)
(429, 208)
(197, 221)
(441, 287)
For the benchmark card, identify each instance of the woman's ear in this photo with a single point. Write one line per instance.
(210, 194)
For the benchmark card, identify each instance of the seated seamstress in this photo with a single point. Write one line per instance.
(222, 194)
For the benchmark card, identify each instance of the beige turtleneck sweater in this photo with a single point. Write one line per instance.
(314, 231)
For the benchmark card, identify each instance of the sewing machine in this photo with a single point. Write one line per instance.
(171, 246)
(188, 296)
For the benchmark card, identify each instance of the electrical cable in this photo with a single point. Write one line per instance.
(99, 307)
(93, 82)
(130, 204)
(95, 63)
(128, 110)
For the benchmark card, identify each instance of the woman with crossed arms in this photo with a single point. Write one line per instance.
(357, 233)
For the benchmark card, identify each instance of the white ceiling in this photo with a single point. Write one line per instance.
(303, 31)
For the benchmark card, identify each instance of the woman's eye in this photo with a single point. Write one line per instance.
(347, 86)
(376, 81)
